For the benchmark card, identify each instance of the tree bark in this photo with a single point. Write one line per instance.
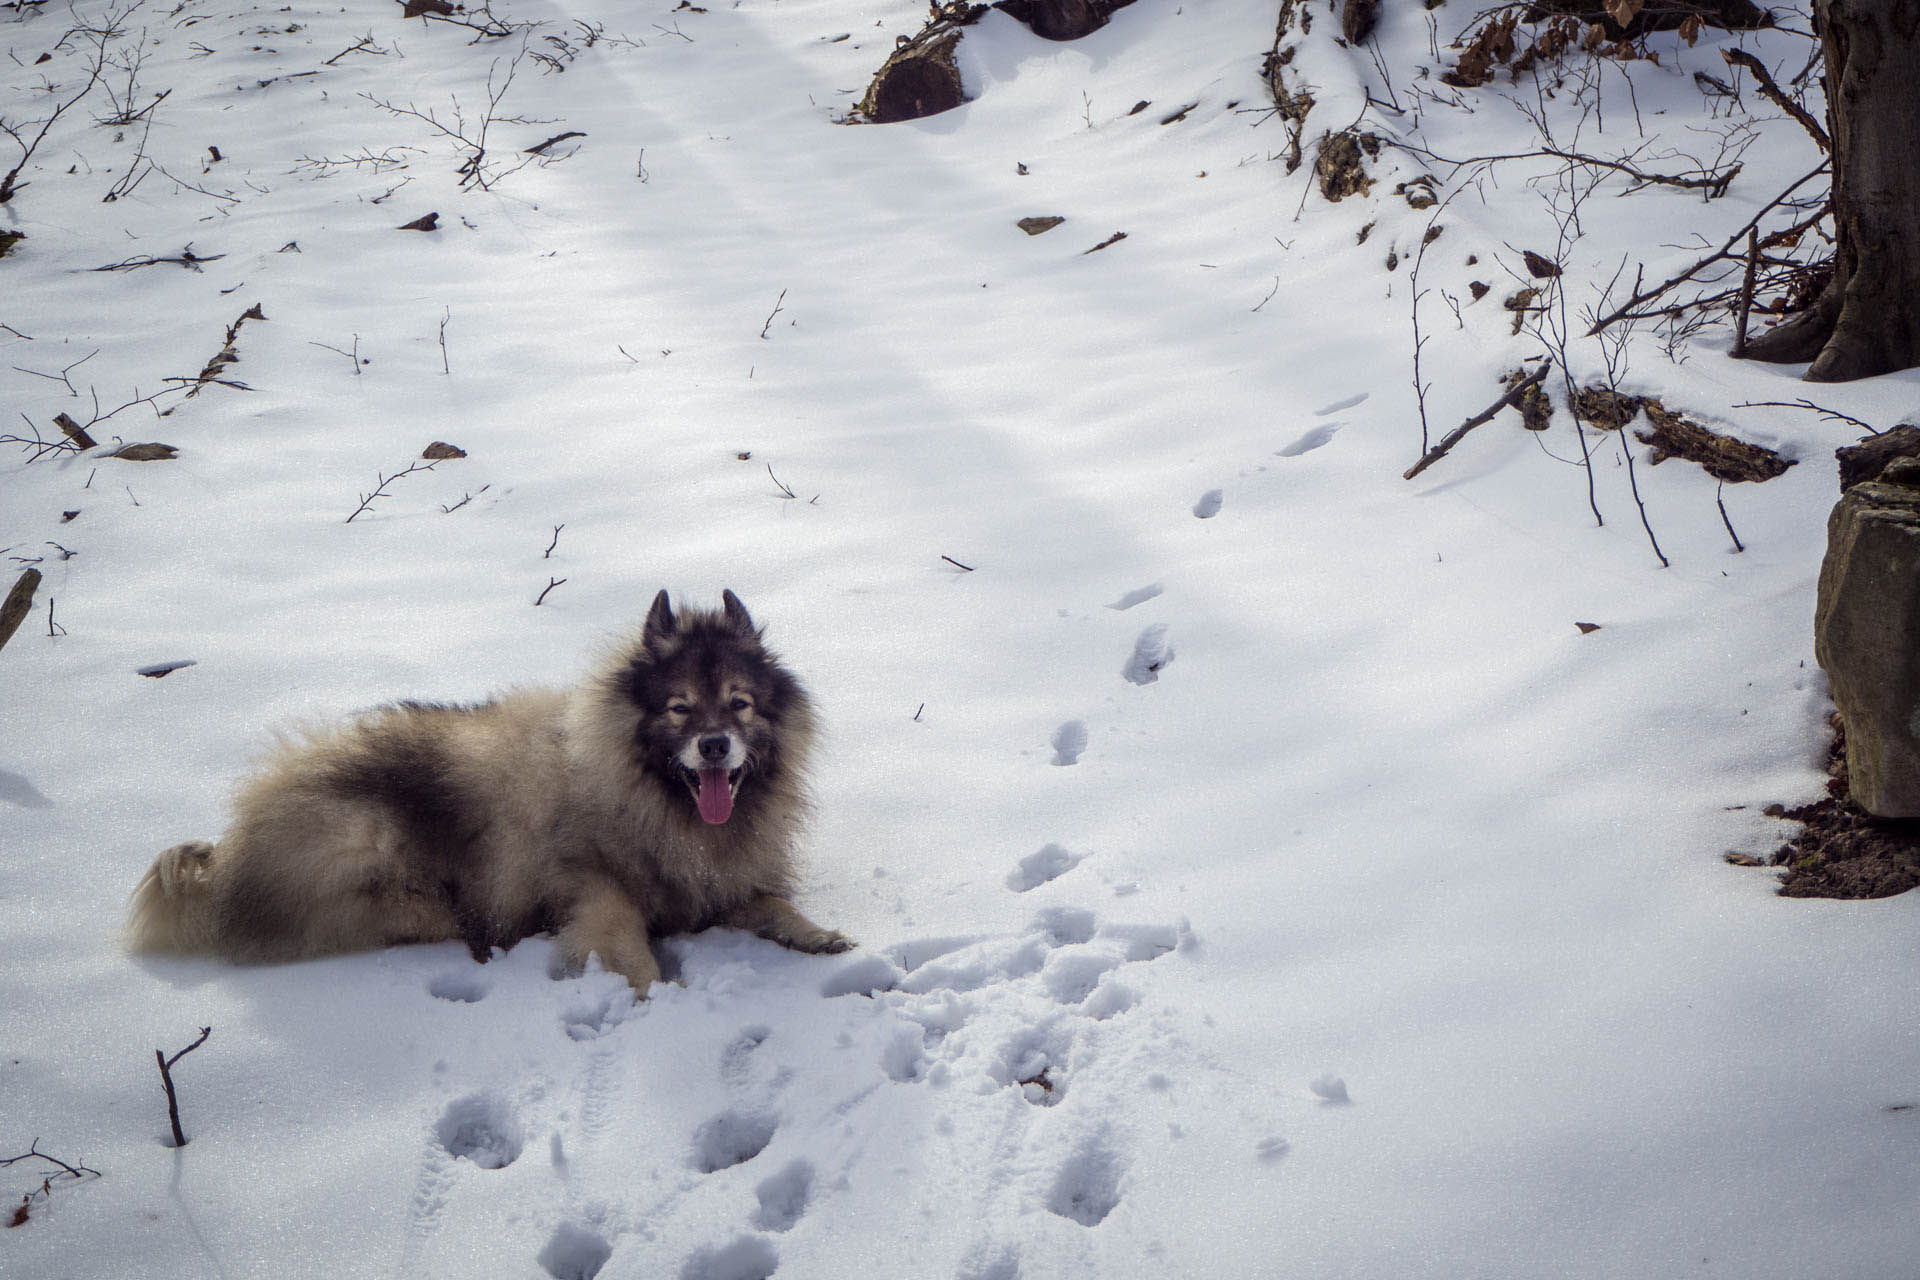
(1867, 320)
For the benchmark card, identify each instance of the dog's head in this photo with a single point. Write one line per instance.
(714, 706)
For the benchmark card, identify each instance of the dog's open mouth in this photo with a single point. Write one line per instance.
(713, 791)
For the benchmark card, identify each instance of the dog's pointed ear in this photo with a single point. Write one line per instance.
(660, 622)
(735, 613)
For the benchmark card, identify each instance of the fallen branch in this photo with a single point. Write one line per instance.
(19, 604)
(1455, 436)
(1772, 93)
(166, 1078)
(186, 258)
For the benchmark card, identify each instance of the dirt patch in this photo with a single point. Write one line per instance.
(1842, 851)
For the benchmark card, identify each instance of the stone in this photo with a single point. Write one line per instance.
(1867, 636)
(1866, 460)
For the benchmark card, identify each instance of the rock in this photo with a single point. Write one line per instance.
(1867, 636)
(1867, 459)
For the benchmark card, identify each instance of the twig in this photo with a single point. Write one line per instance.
(1745, 310)
(186, 258)
(540, 148)
(380, 490)
(769, 324)
(551, 584)
(1772, 93)
(1831, 415)
(465, 498)
(1452, 438)
(785, 492)
(446, 314)
(956, 564)
(1721, 502)
(166, 1078)
(548, 553)
(1724, 252)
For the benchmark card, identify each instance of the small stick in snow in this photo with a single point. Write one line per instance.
(548, 554)
(551, 584)
(956, 564)
(540, 148)
(1514, 393)
(380, 490)
(1115, 238)
(770, 315)
(166, 1078)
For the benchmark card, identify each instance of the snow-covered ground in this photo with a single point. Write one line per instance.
(1257, 872)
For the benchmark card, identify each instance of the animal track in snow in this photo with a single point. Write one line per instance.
(1069, 740)
(1339, 405)
(480, 1127)
(1087, 1188)
(595, 1017)
(783, 1197)
(1151, 653)
(1209, 505)
(1310, 441)
(462, 986)
(1332, 1091)
(1139, 595)
(1050, 862)
(731, 1138)
(574, 1253)
(748, 1258)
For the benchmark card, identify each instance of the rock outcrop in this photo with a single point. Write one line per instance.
(1867, 635)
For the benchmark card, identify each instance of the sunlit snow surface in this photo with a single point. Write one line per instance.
(1383, 932)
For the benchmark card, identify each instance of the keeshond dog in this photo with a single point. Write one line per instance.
(661, 796)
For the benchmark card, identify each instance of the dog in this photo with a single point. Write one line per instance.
(661, 796)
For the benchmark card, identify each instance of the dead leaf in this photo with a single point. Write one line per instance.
(1587, 628)
(1540, 268)
(1039, 226)
(429, 223)
(440, 449)
(1624, 11)
(152, 451)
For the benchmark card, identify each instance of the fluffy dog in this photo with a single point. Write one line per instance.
(661, 796)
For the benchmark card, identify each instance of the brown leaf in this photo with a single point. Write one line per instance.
(440, 449)
(429, 223)
(1538, 267)
(1587, 628)
(1624, 11)
(1039, 226)
(1690, 29)
(19, 1218)
(153, 451)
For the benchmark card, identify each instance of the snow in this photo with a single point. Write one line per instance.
(1382, 931)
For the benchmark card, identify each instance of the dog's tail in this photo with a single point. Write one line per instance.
(173, 904)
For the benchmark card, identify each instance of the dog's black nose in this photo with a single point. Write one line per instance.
(716, 747)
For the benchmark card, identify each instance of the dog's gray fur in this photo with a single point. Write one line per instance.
(539, 810)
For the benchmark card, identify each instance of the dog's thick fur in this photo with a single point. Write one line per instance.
(607, 814)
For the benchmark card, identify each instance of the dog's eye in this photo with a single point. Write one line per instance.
(742, 704)
(679, 709)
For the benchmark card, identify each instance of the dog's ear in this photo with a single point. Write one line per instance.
(735, 613)
(660, 623)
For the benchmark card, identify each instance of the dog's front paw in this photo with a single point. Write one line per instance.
(822, 942)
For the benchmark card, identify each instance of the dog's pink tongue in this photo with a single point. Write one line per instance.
(716, 797)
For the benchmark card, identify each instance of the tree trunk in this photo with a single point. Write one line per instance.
(1867, 320)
